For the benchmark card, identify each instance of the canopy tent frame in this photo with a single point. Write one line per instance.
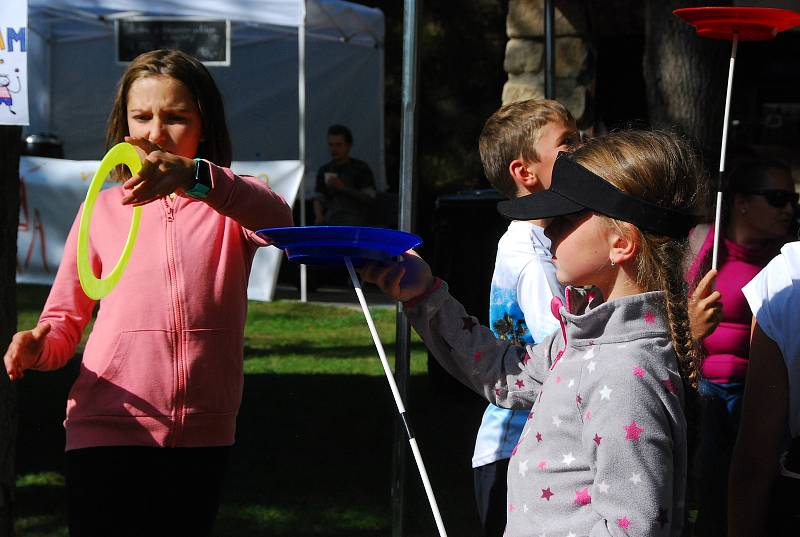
(75, 22)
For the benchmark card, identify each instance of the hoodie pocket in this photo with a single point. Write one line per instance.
(138, 380)
(214, 372)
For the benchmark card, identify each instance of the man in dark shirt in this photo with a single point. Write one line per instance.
(345, 186)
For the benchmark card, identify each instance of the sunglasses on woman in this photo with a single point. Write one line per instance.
(777, 198)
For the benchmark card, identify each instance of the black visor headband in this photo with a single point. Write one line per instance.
(574, 188)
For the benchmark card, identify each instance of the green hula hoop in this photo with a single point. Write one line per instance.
(96, 288)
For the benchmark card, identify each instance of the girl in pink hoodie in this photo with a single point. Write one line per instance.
(152, 414)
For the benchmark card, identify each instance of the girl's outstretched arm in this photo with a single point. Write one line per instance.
(245, 199)
(507, 375)
(248, 200)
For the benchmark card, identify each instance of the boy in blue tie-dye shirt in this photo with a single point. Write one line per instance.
(518, 146)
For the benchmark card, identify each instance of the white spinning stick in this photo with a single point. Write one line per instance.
(736, 24)
(397, 399)
(718, 213)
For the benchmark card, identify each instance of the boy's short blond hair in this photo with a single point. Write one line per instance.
(511, 133)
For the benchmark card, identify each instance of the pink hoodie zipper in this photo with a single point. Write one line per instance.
(555, 307)
(180, 384)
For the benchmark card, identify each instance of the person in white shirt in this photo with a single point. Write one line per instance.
(765, 468)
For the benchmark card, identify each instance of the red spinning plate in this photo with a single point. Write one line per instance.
(751, 23)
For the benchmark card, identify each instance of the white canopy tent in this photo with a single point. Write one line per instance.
(294, 64)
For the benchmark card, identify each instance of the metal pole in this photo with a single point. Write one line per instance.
(301, 107)
(549, 50)
(408, 142)
(402, 372)
(403, 330)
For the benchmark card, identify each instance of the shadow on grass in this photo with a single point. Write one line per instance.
(313, 457)
(309, 348)
(32, 297)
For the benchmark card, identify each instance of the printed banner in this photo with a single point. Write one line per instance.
(13, 63)
(52, 190)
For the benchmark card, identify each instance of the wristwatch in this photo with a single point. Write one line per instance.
(202, 180)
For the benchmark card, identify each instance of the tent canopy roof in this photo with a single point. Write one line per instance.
(325, 19)
(73, 73)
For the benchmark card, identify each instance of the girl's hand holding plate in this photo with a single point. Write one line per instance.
(402, 281)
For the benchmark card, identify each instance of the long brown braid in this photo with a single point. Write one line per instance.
(669, 255)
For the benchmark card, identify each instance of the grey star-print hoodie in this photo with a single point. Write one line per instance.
(604, 448)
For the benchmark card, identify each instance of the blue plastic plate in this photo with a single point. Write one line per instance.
(329, 245)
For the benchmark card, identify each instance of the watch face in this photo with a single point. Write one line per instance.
(203, 175)
(202, 181)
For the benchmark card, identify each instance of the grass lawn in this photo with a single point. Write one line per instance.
(315, 432)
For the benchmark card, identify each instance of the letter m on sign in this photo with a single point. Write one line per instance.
(15, 35)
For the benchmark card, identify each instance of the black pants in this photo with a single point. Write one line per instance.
(133, 491)
(490, 495)
(783, 519)
(720, 413)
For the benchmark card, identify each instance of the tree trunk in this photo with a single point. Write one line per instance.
(9, 219)
(685, 76)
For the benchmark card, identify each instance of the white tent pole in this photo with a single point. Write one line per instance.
(725, 121)
(301, 106)
(49, 71)
(398, 400)
(381, 121)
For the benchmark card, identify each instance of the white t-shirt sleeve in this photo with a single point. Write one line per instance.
(534, 296)
(774, 299)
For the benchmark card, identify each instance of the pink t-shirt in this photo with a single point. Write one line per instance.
(728, 348)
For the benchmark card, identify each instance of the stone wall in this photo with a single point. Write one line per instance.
(525, 56)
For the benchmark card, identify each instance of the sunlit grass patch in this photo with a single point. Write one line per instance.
(293, 520)
(43, 488)
(48, 525)
(53, 479)
(287, 337)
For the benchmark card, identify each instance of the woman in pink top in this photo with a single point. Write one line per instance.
(152, 414)
(759, 209)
